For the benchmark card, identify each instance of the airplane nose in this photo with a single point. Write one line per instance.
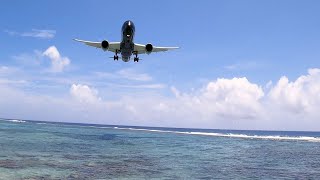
(130, 24)
(128, 28)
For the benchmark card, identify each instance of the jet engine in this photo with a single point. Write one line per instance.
(105, 45)
(149, 48)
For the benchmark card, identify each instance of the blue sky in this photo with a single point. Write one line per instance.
(257, 40)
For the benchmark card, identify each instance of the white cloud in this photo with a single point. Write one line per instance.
(223, 103)
(132, 75)
(127, 78)
(127, 73)
(234, 98)
(29, 59)
(302, 95)
(143, 86)
(37, 58)
(36, 33)
(9, 71)
(58, 63)
(84, 93)
(4, 70)
(15, 82)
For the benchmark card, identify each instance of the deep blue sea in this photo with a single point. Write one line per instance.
(43, 150)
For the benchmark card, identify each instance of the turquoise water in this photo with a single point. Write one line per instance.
(38, 150)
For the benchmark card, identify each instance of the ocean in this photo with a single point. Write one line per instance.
(46, 150)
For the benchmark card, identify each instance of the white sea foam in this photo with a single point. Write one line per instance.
(270, 137)
(16, 120)
(231, 135)
(104, 127)
(90, 126)
(41, 123)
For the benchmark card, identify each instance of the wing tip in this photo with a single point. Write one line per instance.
(174, 47)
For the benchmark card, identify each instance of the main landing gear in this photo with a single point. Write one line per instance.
(116, 57)
(136, 59)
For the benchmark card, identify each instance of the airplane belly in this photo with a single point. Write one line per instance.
(126, 55)
(125, 59)
(126, 51)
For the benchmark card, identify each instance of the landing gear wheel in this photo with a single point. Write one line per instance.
(136, 59)
(116, 57)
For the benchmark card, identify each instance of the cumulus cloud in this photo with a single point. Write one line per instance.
(84, 93)
(222, 103)
(58, 63)
(36, 33)
(37, 61)
(231, 98)
(302, 95)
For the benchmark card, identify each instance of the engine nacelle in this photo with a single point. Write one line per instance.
(149, 48)
(105, 45)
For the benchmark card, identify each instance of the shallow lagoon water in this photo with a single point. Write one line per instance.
(39, 150)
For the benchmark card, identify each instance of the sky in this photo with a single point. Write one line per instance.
(241, 64)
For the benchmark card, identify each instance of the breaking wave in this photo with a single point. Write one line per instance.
(232, 135)
(16, 121)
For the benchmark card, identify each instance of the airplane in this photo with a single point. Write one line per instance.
(126, 47)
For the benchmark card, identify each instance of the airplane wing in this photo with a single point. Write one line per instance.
(141, 49)
(113, 46)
